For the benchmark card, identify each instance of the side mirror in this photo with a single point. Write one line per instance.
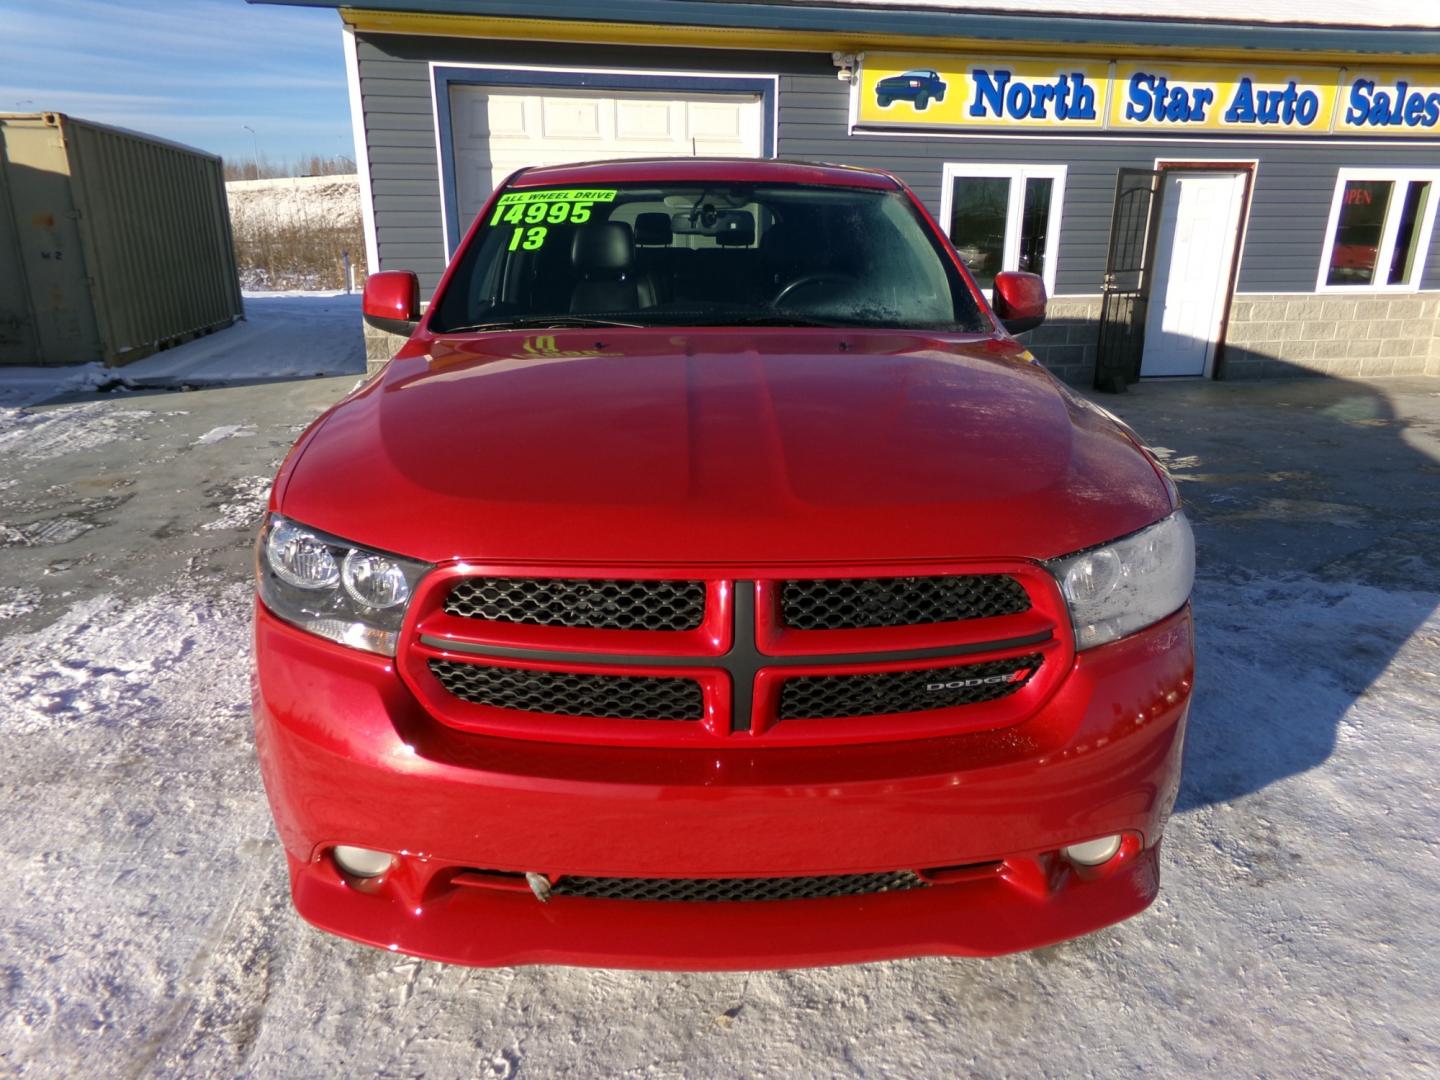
(1019, 300)
(392, 301)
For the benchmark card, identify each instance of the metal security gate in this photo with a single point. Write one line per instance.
(1125, 293)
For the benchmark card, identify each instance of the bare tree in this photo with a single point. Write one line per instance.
(262, 168)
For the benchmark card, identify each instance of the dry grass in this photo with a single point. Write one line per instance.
(299, 254)
(295, 237)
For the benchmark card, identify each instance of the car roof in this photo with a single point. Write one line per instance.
(736, 169)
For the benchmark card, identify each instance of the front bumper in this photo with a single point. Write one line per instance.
(349, 756)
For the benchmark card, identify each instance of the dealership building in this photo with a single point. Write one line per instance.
(1210, 189)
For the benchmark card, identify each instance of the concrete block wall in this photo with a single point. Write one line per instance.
(1065, 342)
(1281, 336)
(380, 347)
(1365, 336)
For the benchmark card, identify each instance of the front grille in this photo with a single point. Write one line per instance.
(808, 697)
(709, 669)
(608, 697)
(729, 890)
(587, 603)
(857, 603)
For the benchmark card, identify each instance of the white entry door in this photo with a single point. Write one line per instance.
(1194, 252)
(497, 130)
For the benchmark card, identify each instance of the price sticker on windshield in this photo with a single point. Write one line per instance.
(533, 212)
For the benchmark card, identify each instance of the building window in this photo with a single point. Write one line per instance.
(1380, 225)
(1004, 217)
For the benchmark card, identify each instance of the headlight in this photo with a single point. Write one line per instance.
(299, 557)
(334, 588)
(1126, 586)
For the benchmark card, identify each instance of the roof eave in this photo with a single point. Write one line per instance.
(835, 23)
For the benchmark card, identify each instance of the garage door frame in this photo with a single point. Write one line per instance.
(444, 76)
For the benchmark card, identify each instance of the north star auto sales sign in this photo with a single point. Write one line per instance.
(946, 91)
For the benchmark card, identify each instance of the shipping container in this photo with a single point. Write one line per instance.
(112, 244)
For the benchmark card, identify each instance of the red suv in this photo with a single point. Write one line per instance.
(712, 581)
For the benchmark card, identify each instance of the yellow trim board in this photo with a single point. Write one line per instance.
(591, 32)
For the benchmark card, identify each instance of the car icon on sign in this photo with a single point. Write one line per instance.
(919, 87)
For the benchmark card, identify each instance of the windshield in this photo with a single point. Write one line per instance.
(694, 254)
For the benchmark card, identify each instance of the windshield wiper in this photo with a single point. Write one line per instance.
(777, 319)
(537, 322)
(560, 322)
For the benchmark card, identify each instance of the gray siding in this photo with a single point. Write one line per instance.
(1290, 203)
(400, 128)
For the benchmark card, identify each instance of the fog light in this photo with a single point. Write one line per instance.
(1093, 852)
(361, 862)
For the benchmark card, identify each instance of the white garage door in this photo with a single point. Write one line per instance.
(496, 131)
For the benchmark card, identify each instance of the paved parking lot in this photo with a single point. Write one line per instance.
(147, 929)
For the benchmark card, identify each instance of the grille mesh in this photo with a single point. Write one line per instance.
(856, 603)
(808, 697)
(727, 890)
(563, 693)
(587, 603)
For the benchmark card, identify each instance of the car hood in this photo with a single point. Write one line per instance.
(614, 446)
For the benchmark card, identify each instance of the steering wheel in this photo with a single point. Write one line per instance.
(811, 279)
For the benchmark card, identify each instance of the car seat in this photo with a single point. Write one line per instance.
(603, 256)
(653, 254)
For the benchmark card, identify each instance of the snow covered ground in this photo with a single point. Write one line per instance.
(284, 335)
(146, 928)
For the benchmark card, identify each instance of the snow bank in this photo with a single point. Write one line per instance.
(293, 200)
